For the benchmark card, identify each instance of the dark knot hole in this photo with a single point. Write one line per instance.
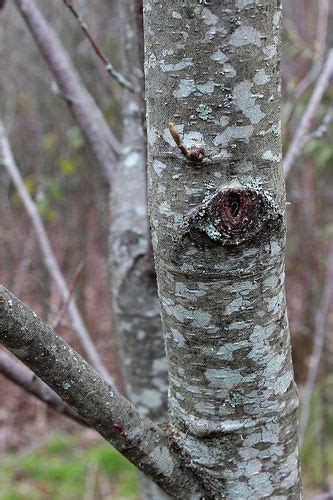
(234, 202)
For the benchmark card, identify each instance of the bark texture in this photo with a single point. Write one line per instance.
(218, 227)
(133, 281)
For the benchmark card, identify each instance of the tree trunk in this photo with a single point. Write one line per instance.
(218, 226)
(133, 282)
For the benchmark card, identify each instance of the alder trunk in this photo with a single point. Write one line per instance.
(218, 226)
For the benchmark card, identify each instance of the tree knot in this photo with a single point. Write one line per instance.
(234, 216)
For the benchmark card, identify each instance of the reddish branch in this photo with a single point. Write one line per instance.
(98, 51)
(25, 378)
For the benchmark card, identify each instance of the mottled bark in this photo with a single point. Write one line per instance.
(218, 230)
(133, 282)
(96, 401)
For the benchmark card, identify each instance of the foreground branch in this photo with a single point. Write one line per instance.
(84, 108)
(25, 378)
(49, 257)
(104, 409)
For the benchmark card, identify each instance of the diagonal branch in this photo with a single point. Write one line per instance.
(7, 159)
(304, 126)
(25, 378)
(88, 115)
(98, 51)
(103, 408)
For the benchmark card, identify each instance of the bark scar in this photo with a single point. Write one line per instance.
(234, 216)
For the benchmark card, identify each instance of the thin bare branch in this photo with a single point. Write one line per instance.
(25, 378)
(98, 51)
(49, 257)
(88, 115)
(309, 114)
(322, 25)
(320, 49)
(145, 444)
(318, 343)
(63, 309)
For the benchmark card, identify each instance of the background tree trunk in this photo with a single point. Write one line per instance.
(219, 240)
(133, 281)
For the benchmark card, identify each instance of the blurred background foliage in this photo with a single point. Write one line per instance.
(44, 455)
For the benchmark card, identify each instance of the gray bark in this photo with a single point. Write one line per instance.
(136, 309)
(96, 401)
(218, 227)
(133, 282)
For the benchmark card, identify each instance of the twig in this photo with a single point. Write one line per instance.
(25, 378)
(318, 343)
(308, 115)
(50, 260)
(64, 306)
(98, 51)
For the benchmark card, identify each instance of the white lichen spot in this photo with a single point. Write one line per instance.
(235, 132)
(197, 317)
(245, 3)
(204, 111)
(219, 57)
(226, 351)
(185, 63)
(165, 209)
(270, 51)
(261, 482)
(261, 77)
(185, 88)
(277, 18)
(245, 101)
(270, 156)
(208, 17)
(158, 166)
(193, 137)
(188, 87)
(152, 61)
(224, 378)
(176, 15)
(207, 88)
(212, 32)
(224, 120)
(67, 385)
(245, 35)
(151, 136)
(178, 337)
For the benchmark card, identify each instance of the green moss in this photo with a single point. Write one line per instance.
(60, 469)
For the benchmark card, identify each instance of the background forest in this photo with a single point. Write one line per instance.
(44, 455)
